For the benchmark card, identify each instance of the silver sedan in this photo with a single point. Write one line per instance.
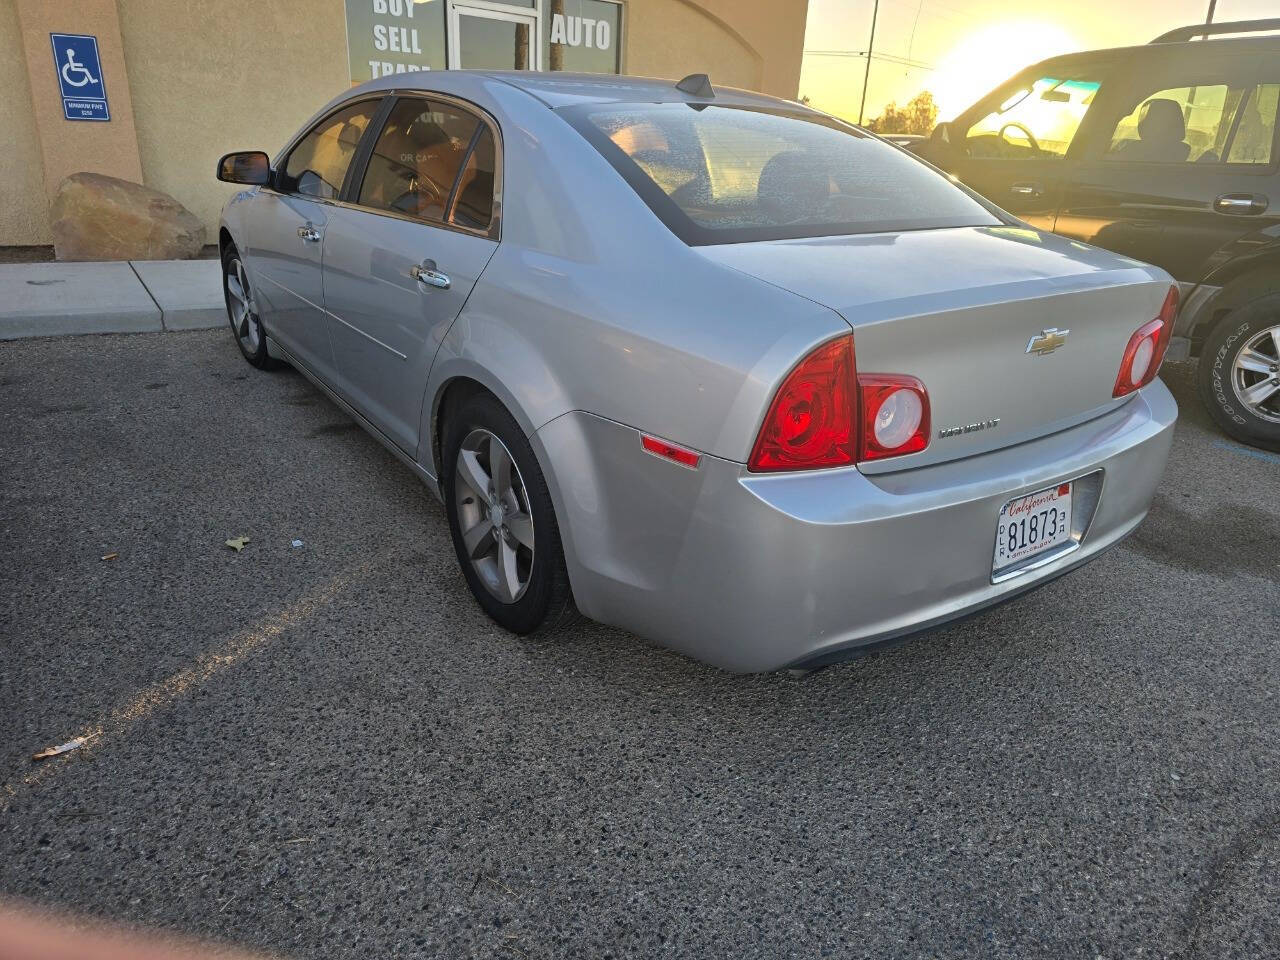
(710, 366)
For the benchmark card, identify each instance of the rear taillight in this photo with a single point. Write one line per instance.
(812, 420)
(1145, 349)
(827, 415)
(895, 415)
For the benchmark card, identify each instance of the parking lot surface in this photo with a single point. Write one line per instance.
(328, 751)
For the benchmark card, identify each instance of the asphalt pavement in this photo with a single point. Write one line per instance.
(328, 751)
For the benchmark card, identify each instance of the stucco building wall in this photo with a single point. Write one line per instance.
(204, 79)
(24, 211)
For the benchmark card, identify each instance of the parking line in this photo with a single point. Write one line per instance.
(165, 692)
(1248, 451)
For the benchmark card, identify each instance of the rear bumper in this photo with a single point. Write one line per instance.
(756, 572)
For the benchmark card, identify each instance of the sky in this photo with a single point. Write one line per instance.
(959, 49)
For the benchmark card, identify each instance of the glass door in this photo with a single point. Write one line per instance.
(487, 35)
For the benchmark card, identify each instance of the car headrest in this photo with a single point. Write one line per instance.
(1161, 120)
(791, 184)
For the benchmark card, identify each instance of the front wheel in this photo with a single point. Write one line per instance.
(242, 311)
(502, 520)
(1239, 374)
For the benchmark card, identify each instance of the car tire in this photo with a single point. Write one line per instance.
(1242, 353)
(246, 326)
(504, 530)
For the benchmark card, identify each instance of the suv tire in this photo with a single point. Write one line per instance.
(1250, 334)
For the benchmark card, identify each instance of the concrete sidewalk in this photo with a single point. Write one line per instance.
(52, 299)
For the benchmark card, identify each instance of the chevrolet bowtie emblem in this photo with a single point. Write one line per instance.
(1047, 341)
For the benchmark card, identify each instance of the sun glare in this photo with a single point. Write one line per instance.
(989, 56)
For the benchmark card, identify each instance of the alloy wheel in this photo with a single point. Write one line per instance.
(1255, 374)
(493, 515)
(244, 317)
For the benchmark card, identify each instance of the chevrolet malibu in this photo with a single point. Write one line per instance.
(706, 365)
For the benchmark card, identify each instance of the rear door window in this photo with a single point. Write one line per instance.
(1207, 122)
(729, 174)
(434, 162)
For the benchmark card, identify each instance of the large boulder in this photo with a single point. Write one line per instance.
(96, 217)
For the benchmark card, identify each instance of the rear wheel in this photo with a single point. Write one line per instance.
(502, 521)
(242, 311)
(1239, 374)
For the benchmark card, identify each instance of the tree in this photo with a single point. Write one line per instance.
(918, 116)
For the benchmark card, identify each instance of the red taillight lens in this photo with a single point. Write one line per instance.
(1145, 350)
(895, 415)
(812, 420)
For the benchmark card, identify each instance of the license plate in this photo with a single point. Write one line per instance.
(1032, 525)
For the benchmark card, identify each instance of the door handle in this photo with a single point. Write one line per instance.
(1241, 204)
(428, 275)
(309, 233)
(1028, 188)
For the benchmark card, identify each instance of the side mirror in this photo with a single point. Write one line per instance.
(942, 134)
(247, 166)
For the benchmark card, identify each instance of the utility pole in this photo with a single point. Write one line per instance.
(1208, 19)
(866, 74)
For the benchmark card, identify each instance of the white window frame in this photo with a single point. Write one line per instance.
(490, 10)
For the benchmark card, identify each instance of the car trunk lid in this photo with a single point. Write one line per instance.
(1015, 333)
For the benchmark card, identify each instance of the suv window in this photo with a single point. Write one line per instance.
(730, 174)
(1037, 119)
(1205, 123)
(318, 164)
(418, 158)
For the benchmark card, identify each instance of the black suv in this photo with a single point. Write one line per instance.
(1166, 153)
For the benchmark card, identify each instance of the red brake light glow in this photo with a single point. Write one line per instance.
(811, 422)
(669, 451)
(1145, 349)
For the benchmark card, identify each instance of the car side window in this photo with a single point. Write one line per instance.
(318, 163)
(1038, 119)
(422, 153)
(1198, 123)
(473, 206)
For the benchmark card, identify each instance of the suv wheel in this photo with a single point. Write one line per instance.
(1239, 375)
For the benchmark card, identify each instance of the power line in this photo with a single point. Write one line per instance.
(859, 54)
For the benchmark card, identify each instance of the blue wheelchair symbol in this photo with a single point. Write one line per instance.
(80, 80)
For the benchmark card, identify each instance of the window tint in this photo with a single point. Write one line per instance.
(718, 174)
(318, 164)
(1039, 119)
(1254, 139)
(474, 204)
(417, 158)
(1203, 123)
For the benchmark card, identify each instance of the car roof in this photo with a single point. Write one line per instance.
(1171, 49)
(557, 90)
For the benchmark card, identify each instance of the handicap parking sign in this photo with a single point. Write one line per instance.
(84, 89)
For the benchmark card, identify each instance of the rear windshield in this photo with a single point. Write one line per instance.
(720, 174)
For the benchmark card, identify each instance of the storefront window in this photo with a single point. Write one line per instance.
(397, 36)
(582, 36)
(394, 36)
